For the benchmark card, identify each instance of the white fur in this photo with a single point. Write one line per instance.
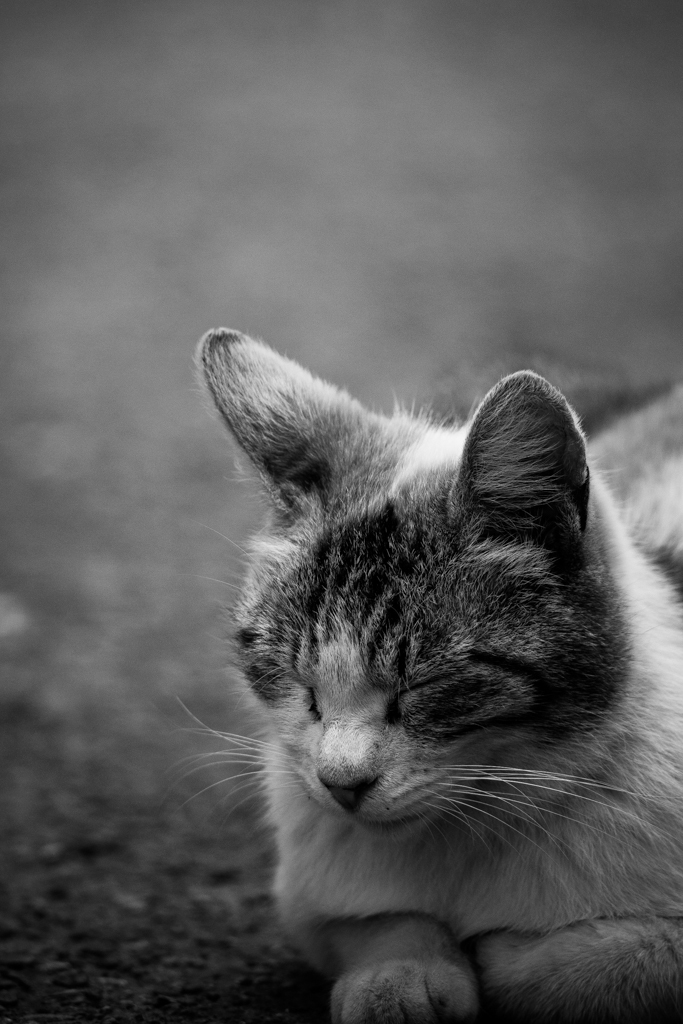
(265, 548)
(437, 448)
(654, 511)
(642, 456)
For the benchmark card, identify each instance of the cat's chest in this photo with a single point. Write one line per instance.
(330, 868)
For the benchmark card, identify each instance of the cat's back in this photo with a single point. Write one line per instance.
(641, 457)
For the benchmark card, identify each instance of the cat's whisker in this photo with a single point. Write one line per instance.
(290, 784)
(503, 822)
(238, 750)
(515, 811)
(221, 782)
(536, 822)
(546, 809)
(456, 812)
(244, 754)
(249, 796)
(569, 793)
(220, 757)
(189, 769)
(250, 788)
(430, 823)
(222, 536)
(251, 785)
(202, 767)
(539, 773)
(459, 816)
(175, 783)
(210, 579)
(233, 737)
(452, 806)
(250, 740)
(452, 811)
(486, 794)
(507, 826)
(529, 776)
(482, 794)
(233, 762)
(203, 727)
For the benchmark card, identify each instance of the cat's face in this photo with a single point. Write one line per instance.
(422, 602)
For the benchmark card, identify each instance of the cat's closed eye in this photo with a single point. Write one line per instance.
(394, 711)
(500, 661)
(313, 704)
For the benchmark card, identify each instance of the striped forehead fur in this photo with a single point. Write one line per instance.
(387, 540)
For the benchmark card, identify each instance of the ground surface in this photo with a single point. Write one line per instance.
(409, 198)
(117, 909)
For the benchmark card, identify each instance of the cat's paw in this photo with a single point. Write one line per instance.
(406, 992)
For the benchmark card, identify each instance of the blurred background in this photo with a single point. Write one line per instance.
(409, 198)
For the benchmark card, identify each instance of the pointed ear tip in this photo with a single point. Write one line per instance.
(525, 397)
(218, 339)
(522, 379)
(532, 382)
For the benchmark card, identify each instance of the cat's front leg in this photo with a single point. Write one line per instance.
(395, 968)
(627, 971)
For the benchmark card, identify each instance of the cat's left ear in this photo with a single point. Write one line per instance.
(293, 426)
(524, 465)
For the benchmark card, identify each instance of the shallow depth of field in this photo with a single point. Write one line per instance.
(410, 199)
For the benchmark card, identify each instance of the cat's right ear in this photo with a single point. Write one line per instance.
(524, 468)
(291, 425)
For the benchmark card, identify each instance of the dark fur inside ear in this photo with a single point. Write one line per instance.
(524, 463)
(288, 422)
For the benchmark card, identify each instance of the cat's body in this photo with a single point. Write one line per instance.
(471, 682)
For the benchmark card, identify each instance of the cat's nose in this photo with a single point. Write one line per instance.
(349, 798)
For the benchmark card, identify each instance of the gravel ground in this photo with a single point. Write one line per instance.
(118, 909)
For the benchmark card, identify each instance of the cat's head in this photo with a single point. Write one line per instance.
(421, 597)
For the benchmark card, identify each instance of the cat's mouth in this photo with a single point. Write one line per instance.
(406, 823)
(398, 823)
(373, 815)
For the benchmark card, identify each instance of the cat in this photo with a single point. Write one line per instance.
(469, 671)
